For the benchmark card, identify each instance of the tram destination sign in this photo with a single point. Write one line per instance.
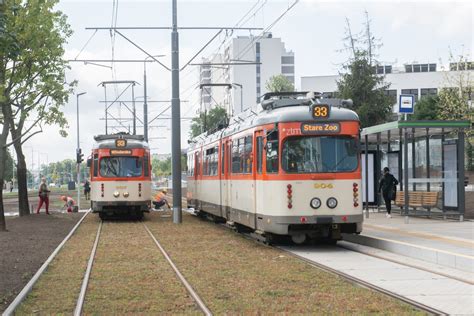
(120, 152)
(320, 128)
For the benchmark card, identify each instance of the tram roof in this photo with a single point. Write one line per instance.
(108, 141)
(297, 113)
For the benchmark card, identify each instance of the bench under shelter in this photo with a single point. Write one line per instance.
(426, 157)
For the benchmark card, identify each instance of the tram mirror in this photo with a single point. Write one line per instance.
(89, 162)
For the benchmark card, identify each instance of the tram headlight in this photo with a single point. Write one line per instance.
(125, 194)
(116, 194)
(315, 203)
(331, 202)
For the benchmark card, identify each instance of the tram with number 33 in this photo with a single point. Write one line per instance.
(293, 169)
(120, 173)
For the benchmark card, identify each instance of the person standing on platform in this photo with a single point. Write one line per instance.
(43, 194)
(388, 185)
(87, 190)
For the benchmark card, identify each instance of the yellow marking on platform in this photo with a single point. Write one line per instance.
(457, 242)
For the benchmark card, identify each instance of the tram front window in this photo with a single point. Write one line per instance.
(121, 167)
(319, 154)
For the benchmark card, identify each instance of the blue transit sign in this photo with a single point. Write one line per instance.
(406, 103)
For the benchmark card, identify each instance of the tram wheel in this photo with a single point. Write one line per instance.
(103, 215)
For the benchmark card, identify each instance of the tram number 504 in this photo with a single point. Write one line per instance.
(320, 111)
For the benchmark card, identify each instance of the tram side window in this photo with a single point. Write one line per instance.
(146, 166)
(235, 157)
(241, 154)
(259, 153)
(272, 151)
(247, 161)
(222, 158)
(96, 165)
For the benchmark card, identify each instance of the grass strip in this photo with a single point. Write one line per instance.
(57, 290)
(235, 275)
(130, 276)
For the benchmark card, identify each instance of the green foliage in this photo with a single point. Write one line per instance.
(162, 168)
(208, 121)
(34, 66)
(61, 172)
(359, 80)
(279, 83)
(360, 83)
(427, 108)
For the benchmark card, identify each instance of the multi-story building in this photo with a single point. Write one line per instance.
(417, 79)
(265, 56)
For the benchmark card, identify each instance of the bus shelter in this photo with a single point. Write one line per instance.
(425, 156)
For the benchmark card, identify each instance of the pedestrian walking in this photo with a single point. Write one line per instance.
(69, 203)
(388, 185)
(43, 195)
(87, 190)
(11, 186)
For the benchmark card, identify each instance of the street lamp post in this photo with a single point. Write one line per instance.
(78, 153)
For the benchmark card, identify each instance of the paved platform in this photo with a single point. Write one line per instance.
(450, 296)
(444, 242)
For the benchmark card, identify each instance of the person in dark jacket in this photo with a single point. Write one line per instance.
(388, 186)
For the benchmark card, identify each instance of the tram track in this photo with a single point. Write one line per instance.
(81, 301)
(350, 278)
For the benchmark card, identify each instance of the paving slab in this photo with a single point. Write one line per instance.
(440, 292)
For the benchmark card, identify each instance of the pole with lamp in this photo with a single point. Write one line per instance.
(78, 154)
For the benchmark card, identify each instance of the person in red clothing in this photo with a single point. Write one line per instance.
(43, 194)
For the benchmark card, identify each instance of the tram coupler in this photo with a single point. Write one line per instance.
(336, 231)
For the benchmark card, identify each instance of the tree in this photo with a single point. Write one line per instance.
(359, 80)
(427, 108)
(208, 121)
(279, 83)
(456, 102)
(35, 89)
(9, 168)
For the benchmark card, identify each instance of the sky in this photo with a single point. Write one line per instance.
(409, 31)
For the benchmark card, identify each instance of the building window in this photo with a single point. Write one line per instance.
(424, 68)
(288, 60)
(432, 67)
(428, 92)
(411, 91)
(392, 94)
(416, 68)
(291, 79)
(288, 69)
(408, 68)
(388, 69)
(379, 70)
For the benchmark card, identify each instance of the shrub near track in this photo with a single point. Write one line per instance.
(235, 275)
(57, 289)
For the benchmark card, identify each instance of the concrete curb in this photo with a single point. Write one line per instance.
(441, 257)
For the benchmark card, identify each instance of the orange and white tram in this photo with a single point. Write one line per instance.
(120, 174)
(292, 169)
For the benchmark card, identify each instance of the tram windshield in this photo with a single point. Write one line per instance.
(121, 167)
(319, 154)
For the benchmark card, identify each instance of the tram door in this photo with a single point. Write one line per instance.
(222, 180)
(258, 167)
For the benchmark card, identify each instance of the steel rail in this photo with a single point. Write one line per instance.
(85, 280)
(348, 277)
(29, 286)
(188, 286)
(358, 281)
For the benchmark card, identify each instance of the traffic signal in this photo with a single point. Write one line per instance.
(79, 156)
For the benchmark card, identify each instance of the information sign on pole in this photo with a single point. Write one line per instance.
(406, 103)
